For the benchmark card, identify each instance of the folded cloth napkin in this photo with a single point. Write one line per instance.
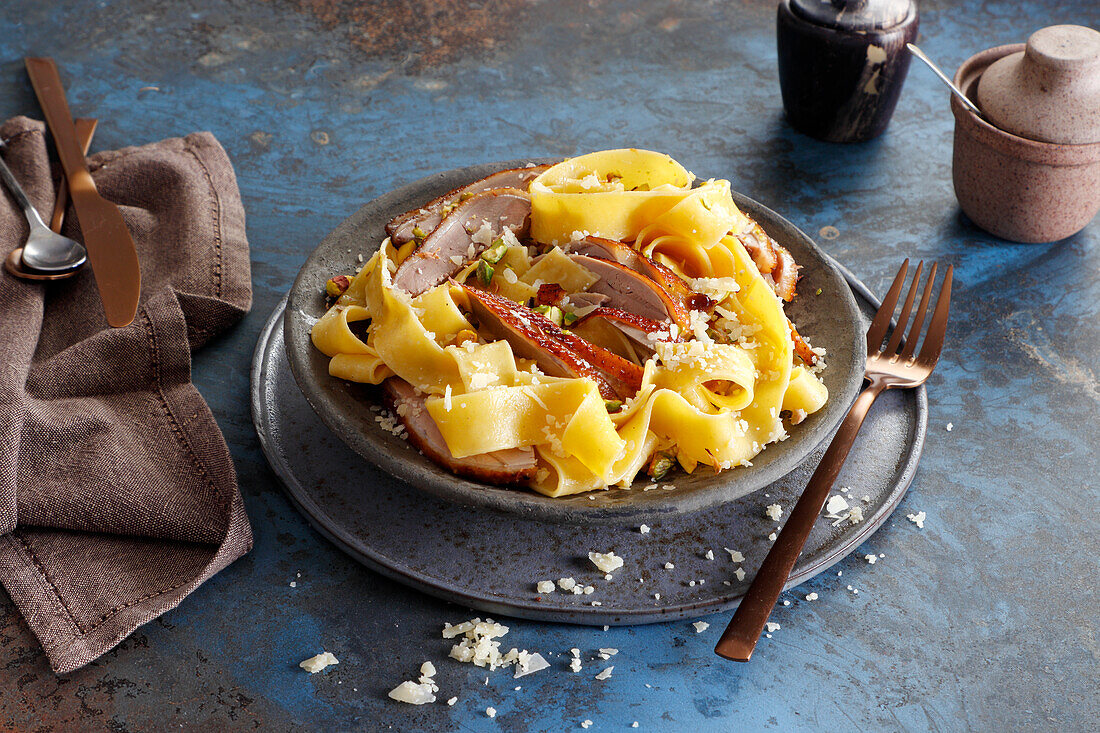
(118, 496)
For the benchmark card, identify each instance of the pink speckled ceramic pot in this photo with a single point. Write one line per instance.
(1013, 187)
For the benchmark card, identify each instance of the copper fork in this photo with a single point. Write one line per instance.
(887, 368)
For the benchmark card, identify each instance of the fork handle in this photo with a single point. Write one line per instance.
(740, 637)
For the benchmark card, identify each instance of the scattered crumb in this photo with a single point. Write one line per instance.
(855, 515)
(293, 584)
(772, 536)
(605, 674)
(700, 626)
(735, 556)
(740, 573)
(871, 559)
(786, 603)
(413, 693)
(586, 723)
(772, 626)
(452, 701)
(917, 519)
(709, 555)
(545, 586)
(949, 426)
(491, 712)
(669, 566)
(605, 562)
(315, 664)
(774, 512)
(811, 596)
(644, 529)
(835, 505)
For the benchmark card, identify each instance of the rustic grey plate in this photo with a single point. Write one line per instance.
(825, 312)
(490, 560)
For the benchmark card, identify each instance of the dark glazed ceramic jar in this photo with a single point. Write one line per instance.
(842, 64)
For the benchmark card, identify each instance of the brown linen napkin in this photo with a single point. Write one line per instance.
(118, 496)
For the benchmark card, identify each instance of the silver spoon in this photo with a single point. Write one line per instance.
(958, 92)
(44, 250)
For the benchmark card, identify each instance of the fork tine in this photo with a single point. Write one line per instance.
(877, 332)
(918, 319)
(903, 318)
(933, 342)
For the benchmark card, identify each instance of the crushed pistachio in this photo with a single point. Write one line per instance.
(568, 319)
(336, 286)
(613, 405)
(659, 466)
(495, 252)
(484, 272)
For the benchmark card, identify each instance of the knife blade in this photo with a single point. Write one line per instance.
(111, 250)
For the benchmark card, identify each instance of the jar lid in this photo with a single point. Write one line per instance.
(855, 15)
(1049, 92)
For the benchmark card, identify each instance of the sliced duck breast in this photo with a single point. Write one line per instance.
(511, 466)
(643, 331)
(633, 292)
(448, 248)
(627, 256)
(771, 258)
(432, 214)
(558, 353)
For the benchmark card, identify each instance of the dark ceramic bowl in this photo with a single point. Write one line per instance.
(830, 319)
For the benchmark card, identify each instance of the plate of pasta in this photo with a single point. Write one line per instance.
(604, 337)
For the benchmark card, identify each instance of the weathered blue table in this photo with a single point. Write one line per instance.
(984, 620)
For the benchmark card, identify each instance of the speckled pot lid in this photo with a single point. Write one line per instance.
(855, 15)
(1050, 91)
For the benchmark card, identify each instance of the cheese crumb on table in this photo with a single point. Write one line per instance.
(772, 536)
(917, 519)
(413, 693)
(700, 626)
(740, 573)
(669, 566)
(855, 515)
(772, 626)
(774, 512)
(605, 562)
(949, 426)
(605, 674)
(644, 529)
(709, 555)
(735, 556)
(586, 724)
(491, 712)
(316, 663)
(871, 559)
(811, 596)
(545, 586)
(452, 701)
(567, 583)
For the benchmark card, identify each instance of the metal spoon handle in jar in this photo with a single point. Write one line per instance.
(957, 92)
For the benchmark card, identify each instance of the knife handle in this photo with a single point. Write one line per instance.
(85, 128)
(51, 97)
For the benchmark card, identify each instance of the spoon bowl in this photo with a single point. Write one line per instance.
(50, 253)
(44, 251)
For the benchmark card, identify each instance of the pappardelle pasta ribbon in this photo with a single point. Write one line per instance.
(712, 397)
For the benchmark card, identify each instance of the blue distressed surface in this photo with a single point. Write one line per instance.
(984, 620)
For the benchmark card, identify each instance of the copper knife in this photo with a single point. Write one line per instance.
(85, 129)
(111, 250)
